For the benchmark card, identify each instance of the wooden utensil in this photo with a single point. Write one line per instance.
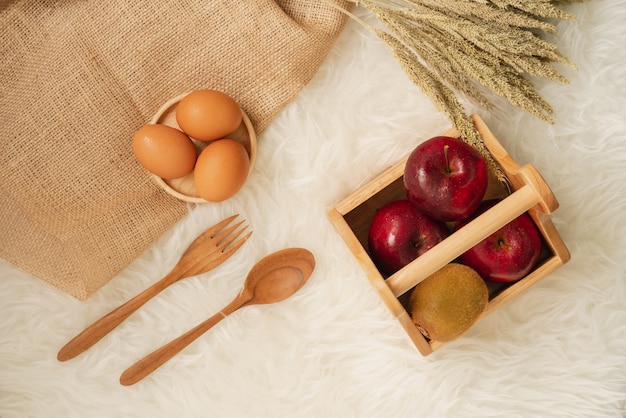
(272, 279)
(206, 252)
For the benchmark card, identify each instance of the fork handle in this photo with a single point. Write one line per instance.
(96, 331)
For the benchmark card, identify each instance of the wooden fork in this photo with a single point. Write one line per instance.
(206, 252)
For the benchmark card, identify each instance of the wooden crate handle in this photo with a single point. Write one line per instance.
(517, 175)
(462, 240)
(531, 193)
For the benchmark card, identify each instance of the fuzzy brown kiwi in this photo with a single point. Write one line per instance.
(447, 303)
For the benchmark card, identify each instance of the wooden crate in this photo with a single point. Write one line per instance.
(527, 192)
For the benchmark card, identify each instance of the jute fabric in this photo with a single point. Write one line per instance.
(78, 78)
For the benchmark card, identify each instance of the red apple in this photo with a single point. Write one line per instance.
(508, 254)
(399, 233)
(445, 178)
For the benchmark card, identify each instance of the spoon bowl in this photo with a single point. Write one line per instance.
(272, 279)
(279, 285)
(279, 275)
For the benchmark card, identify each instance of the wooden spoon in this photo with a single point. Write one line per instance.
(272, 279)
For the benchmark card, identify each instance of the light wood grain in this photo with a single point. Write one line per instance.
(462, 240)
(207, 251)
(526, 191)
(272, 279)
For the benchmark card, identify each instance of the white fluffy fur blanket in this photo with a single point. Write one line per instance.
(334, 350)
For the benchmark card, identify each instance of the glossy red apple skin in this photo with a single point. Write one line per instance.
(399, 233)
(445, 178)
(508, 254)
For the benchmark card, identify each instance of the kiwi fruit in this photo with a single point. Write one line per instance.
(447, 303)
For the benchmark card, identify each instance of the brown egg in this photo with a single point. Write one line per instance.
(221, 170)
(164, 151)
(207, 115)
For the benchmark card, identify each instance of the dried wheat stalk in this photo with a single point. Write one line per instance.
(460, 46)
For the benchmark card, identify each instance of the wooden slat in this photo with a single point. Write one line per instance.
(530, 193)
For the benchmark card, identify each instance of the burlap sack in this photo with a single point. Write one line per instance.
(78, 78)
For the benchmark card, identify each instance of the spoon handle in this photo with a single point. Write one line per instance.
(96, 331)
(153, 361)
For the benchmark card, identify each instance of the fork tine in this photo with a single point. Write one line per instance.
(210, 234)
(230, 249)
(212, 231)
(229, 236)
(221, 235)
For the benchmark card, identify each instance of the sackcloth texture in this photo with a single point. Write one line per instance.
(78, 78)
